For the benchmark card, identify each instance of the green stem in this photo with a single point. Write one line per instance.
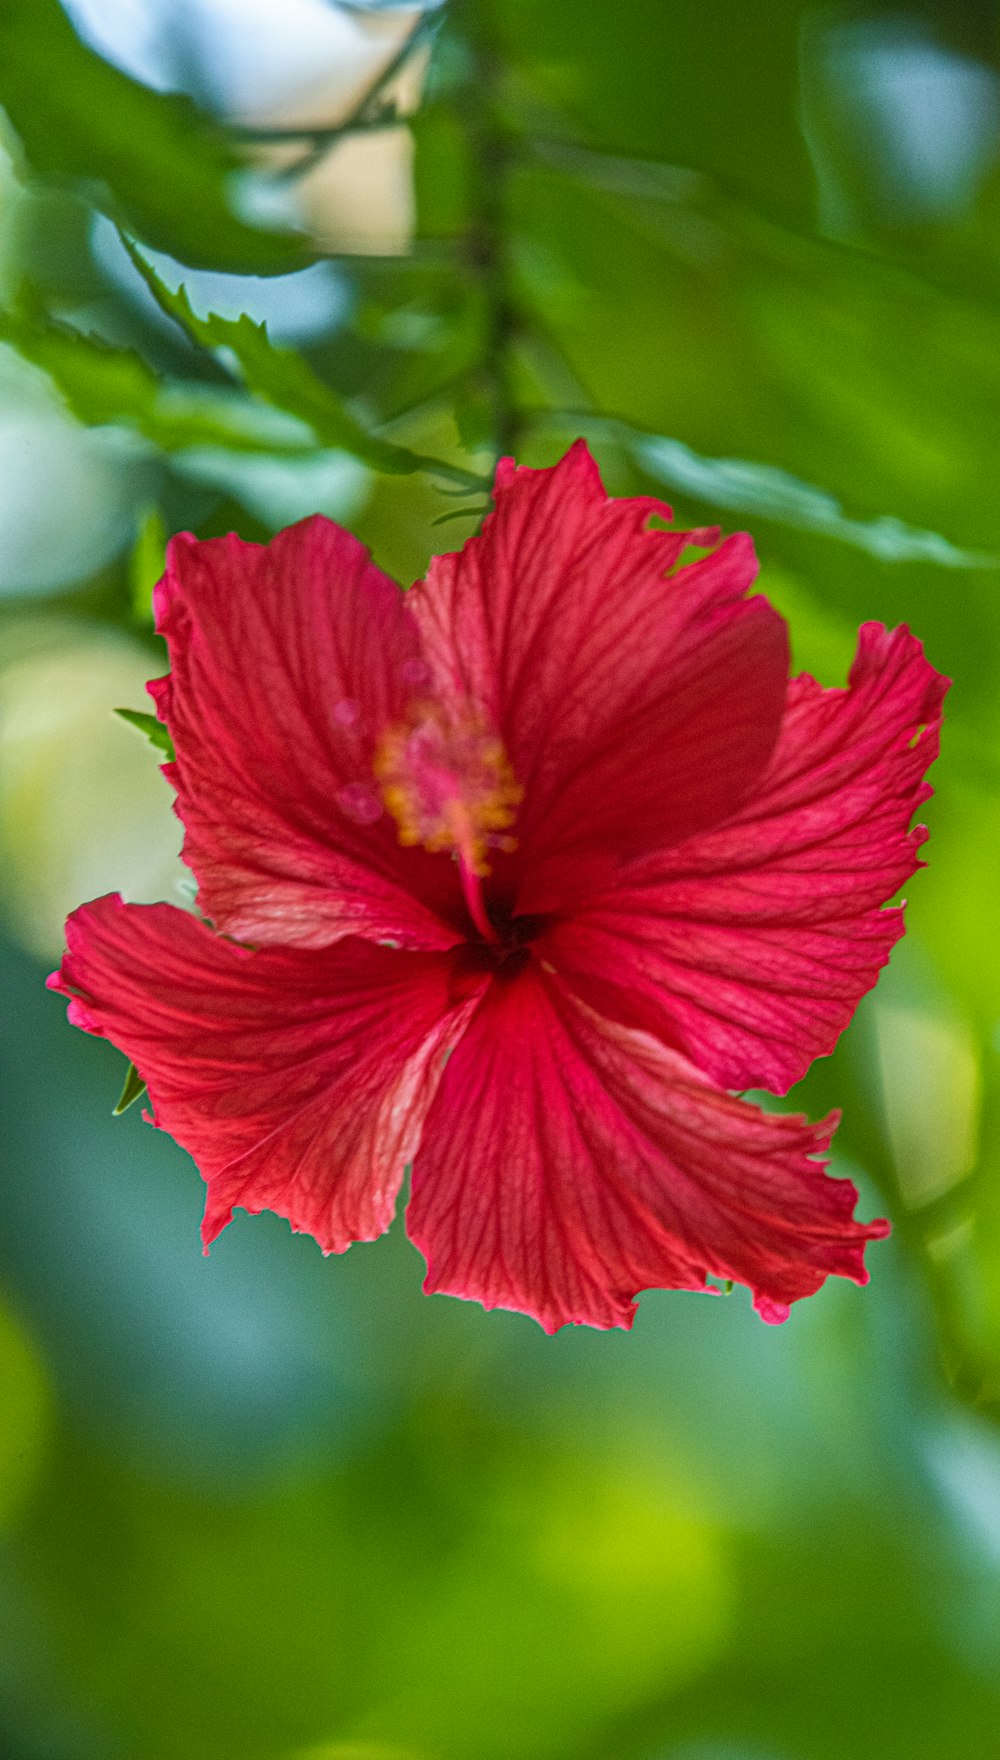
(492, 155)
(368, 113)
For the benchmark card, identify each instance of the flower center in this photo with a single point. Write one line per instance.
(448, 784)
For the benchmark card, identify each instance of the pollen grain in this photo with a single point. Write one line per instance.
(448, 784)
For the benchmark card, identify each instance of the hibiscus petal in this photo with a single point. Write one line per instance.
(568, 1162)
(751, 945)
(634, 708)
(298, 1081)
(288, 662)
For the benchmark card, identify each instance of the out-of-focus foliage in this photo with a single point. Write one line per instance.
(267, 1507)
(152, 160)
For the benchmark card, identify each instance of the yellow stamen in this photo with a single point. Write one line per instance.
(448, 784)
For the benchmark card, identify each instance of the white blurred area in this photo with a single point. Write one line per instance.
(83, 807)
(296, 308)
(920, 121)
(70, 494)
(280, 490)
(284, 64)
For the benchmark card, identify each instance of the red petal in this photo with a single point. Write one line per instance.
(298, 1081)
(568, 1163)
(288, 661)
(751, 945)
(635, 709)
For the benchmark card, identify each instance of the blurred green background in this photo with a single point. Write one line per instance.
(266, 1505)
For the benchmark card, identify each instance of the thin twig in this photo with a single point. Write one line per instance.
(361, 119)
(486, 240)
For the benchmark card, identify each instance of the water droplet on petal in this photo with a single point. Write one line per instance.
(358, 801)
(415, 672)
(347, 713)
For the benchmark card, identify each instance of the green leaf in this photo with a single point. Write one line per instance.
(154, 730)
(151, 160)
(104, 384)
(284, 379)
(478, 512)
(745, 487)
(146, 565)
(132, 1089)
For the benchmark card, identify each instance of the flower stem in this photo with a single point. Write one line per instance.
(492, 156)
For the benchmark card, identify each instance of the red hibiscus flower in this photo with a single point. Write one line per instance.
(516, 878)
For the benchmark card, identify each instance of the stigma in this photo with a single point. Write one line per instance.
(447, 782)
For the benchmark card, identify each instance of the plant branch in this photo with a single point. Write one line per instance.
(492, 154)
(368, 113)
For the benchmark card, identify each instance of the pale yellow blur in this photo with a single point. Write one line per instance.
(357, 197)
(83, 807)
